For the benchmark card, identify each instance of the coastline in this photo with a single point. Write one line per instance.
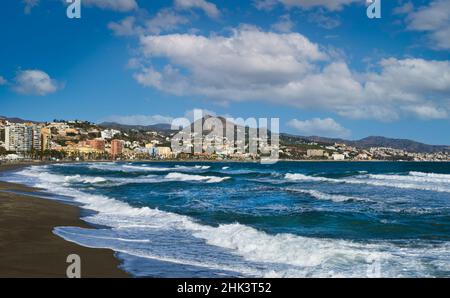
(28, 247)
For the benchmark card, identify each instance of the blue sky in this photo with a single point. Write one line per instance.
(323, 67)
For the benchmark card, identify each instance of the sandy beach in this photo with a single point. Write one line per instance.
(28, 248)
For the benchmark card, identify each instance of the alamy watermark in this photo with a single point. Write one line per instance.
(227, 137)
(73, 9)
(373, 9)
(74, 269)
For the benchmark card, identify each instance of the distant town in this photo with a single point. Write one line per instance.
(76, 140)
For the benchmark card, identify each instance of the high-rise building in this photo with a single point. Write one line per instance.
(46, 135)
(36, 133)
(116, 147)
(20, 137)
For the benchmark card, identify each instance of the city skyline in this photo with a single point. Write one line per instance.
(324, 69)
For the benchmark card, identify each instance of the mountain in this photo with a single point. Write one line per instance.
(16, 120)
(162, 127)
(377, 141)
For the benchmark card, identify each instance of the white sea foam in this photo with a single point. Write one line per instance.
(397, 181)
(444, 177)
(61, 178)
(325, 196)
(84, 179)
(413, 177)
(187, 177)
(302, 177)
(417, 181)
(202, 167)
(125, 167)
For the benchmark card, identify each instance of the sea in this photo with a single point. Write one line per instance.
(290, 219)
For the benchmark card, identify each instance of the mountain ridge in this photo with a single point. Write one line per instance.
(379, 141)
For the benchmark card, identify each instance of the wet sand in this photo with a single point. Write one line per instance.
(28, 247)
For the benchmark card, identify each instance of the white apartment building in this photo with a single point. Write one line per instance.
(109, 133)
(21, 137)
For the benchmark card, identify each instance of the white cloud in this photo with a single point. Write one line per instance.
(149, 77)
(116, 5)
(434, 19)
(332, 5)
(208, 8)
(35, 82)
(327, 127)
(284, 24)
(428, 112)
(404, 8)
(288, 69)
(165, 20)
(126, 27)
(249, 55)
(140, 119)
(3, 81)
(323, 20)
(29, 4)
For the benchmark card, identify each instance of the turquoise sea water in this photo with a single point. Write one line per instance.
(291, 219)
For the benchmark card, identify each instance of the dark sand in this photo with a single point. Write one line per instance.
(28, 247)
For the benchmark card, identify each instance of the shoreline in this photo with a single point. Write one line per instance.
(28, 246)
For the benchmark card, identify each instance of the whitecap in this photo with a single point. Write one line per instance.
(186, 177)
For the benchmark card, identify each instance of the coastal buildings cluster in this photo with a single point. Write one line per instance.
(81, 140)
(74, 140)
(342, 152)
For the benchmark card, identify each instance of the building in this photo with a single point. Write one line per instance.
(116, 148)
(109, 133)
(164, 152)
(81, 150)
(97, 144)
(315, 153)
(22, 137)
(46, 137)
(338, 156)
(36, 134)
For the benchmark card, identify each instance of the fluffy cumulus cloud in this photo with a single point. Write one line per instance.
(220, 64)
(327, 127)
(289, 69)
(34, 82)
(433, 18)
(116, 5)
(208, 8)
(332, 5)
